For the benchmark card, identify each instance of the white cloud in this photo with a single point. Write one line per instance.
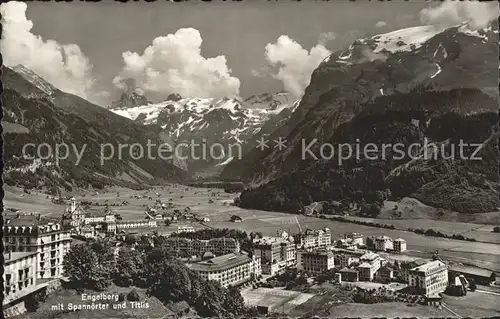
(380, 24)
(450, 13)
(326, 37)
(63, 65)
(174, 64)
(294, 64)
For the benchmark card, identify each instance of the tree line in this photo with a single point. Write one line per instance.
(94, 266)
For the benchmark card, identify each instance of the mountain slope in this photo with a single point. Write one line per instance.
(33, 116)
(403, 87)
(382, 65)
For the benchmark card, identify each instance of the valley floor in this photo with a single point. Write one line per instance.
(481, 254)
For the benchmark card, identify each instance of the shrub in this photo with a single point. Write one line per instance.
(133, 295)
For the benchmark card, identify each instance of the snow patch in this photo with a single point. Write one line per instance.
(407, 39)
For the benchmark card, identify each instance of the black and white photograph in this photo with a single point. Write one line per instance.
(250, 159)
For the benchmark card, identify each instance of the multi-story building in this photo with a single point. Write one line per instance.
(73, 217)
(229, 270)
(217, 246)
(19, 275)
(370, 264)
(402, 273)
(385, 274)
(351, 275)
(29, 233)
(383, 243)
(185, 229)
(99, 217)
(88, 231)
(112, 227)
(345, 244)
(315, 238)
(317, 262)
(370, 242)
(276, 254)
(399, 245)
(222, 246)
(429, 279)
(354, 238)
(346, 260)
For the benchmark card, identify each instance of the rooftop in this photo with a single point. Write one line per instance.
(319, 253)
(12, 257)
(383, 238)
(25, 220)
(400, 239)
(266, 240)
(365, 265)
(348, 270)
(221, 263)
(369, 256)
(428, 266)
(471, 271)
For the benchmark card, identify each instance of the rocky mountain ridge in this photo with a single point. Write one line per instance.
(404, 86)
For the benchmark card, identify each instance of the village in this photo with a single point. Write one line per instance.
(286, 272)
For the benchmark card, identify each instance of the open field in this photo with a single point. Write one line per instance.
(412, 209)
(282, 301)
(485, 255)
(479, 232)
(475, 304)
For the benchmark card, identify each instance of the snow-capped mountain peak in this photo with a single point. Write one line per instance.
(226, 118)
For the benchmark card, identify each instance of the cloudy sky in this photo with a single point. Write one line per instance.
(199, 49)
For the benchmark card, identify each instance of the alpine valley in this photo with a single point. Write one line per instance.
(408, 86)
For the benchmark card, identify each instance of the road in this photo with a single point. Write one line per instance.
(488, 292)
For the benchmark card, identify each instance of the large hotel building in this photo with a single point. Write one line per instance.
(229, 270)
(29, 233)
(316, 262)
(192, 247)
(429, 279)
(19, 275)
(315, 238)
(276, 254)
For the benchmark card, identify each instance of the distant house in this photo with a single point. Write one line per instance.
(206, 219)
(185, 229)
(236, 219)
(480, 276)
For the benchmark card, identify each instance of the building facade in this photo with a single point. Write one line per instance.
(29, 233)
(317, 262)
(346, 260)
(383, 243)
(399, 245)
(316, 238)
(351, 275)
(192, 247)
(20, 275)
(276, 254)
(429, 279)
(354, 239)
(385, 274)
(229, 270)
(185, 229)
(370, 264)
(73, 217)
